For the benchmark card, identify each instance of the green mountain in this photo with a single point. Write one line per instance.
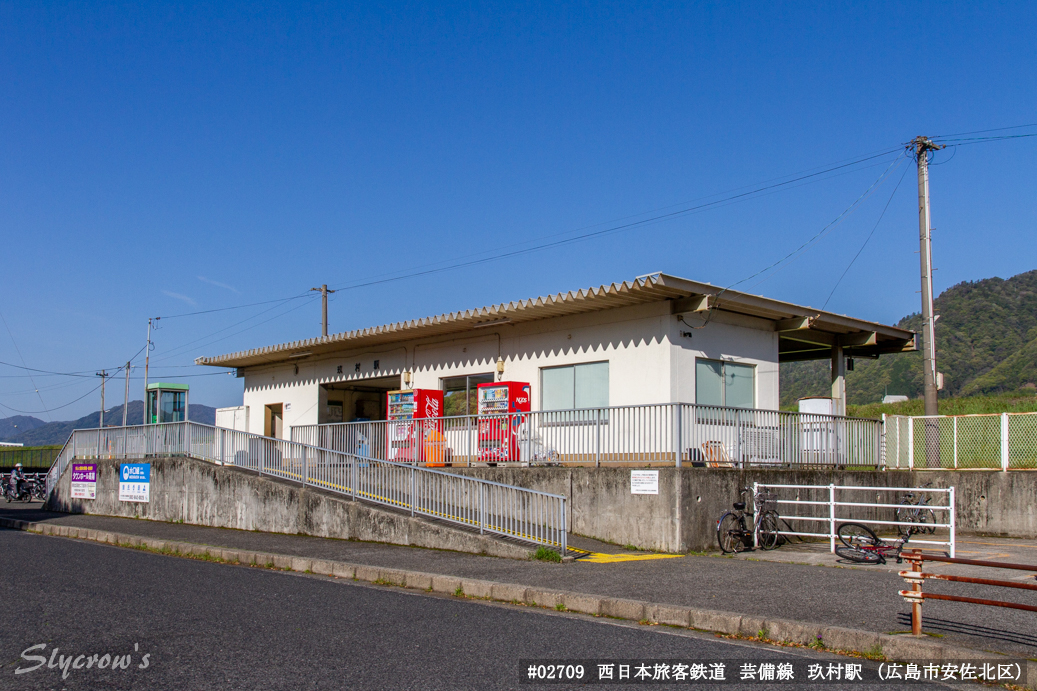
(986, 343)
(35, 432)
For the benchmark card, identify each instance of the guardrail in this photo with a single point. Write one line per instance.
(490, 507)
(1000, 440)
(648, 435)
(916, 577)
(826, 510)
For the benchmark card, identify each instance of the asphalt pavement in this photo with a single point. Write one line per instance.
(188, 624)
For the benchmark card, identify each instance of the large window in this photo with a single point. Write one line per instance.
(459, 394)
(725, 383)
(575, 386)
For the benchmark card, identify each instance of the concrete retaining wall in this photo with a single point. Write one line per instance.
(683, 515)
(190, 491)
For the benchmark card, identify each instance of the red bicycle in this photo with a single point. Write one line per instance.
(861, 545)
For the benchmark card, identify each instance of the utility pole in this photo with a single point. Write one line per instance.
(323, 308)
(922, 146)
(103, 375)
(126, 405)
(147, 356)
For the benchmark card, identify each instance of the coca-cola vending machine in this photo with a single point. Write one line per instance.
(499, 433)
(415, 427)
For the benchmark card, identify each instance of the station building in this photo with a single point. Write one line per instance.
(656, 339)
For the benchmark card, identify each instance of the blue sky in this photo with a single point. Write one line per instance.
(162, 159)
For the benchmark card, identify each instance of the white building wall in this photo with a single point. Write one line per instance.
(649, 360)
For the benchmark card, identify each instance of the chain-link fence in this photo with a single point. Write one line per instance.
(1006, 441)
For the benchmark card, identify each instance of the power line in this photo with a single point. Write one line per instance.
(866, 241)
(39, 412)
(585, 236)
(235, 307)
(21, 357)
(824, 231)
(995, 129)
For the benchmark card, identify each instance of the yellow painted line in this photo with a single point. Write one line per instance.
(596, 558)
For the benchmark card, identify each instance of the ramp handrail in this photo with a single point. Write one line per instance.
(492, 507)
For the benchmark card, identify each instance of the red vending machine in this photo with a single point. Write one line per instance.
(499, 435)
(409, 441)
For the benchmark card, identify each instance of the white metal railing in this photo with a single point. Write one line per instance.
(821, 505)
(661, 434)
(1000, 440)
(491, 507)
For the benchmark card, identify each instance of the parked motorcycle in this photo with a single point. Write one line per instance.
(14, 492)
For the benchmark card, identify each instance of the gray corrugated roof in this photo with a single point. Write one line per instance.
(652, 288)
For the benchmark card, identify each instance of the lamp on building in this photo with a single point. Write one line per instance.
(406, 378)
(500, 368)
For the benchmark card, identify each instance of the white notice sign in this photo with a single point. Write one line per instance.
(644, 482)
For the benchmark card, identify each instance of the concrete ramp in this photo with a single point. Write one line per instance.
(188, 490)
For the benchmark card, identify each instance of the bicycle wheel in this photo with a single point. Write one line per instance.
(731, 533)
(907, 514)
(768, 530)
(927, 521)
(855, 535)
(858, 555)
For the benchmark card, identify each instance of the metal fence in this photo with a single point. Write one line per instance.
(636, 436)
(805, 508)
(1006, 441)
(490, 507)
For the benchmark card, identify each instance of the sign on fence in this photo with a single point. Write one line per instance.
(135, 482)
(84, 480)
(644, 482)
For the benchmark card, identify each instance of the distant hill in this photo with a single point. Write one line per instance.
(986, 343)
(13, 426)
(35, 432)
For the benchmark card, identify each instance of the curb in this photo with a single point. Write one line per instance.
(832, 638)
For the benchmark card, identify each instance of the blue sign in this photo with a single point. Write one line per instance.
(135, 472)
(135, 482)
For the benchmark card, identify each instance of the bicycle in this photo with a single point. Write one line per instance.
(734, 536)
(913, 511)
(861, 545)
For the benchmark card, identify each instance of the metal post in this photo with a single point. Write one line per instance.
(916, 587)
(597, 438)
(955, 418)
(954, 519)
(413, 470)
(565, 529)
(738, 438)
(677, 435)
(831, 517)
(468, 435)
(187, 438)
(126, 404)
(1004, 442)
(910, 443)
(482, 513)
(305, 467)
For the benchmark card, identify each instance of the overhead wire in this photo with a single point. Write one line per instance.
(21, 357)
(866, 240)
(585, 236)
